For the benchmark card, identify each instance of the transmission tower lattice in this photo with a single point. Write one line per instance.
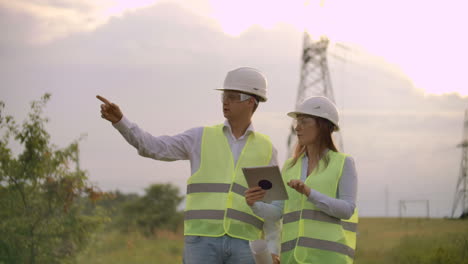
(315, 80)
(461, 197)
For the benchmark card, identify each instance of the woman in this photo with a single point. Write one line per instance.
(319, 218)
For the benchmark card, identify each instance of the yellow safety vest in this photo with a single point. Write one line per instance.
(215, 203)
(310, 235)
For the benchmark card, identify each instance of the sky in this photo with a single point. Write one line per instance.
(396, 71)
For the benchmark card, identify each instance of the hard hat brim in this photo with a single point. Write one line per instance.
(295, 114)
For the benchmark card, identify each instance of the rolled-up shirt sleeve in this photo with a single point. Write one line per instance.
(273, 236)
(271, 213)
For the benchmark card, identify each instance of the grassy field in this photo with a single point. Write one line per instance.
(394, 240)
(380, 240)
(116, 248)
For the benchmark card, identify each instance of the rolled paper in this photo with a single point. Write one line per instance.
(260, 252)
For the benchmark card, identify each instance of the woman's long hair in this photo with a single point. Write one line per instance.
(324, 138)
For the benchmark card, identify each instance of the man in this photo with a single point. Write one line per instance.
(218, 224)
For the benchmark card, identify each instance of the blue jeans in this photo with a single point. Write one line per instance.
(217, 250)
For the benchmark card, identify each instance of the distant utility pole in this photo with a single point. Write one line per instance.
(402, 206)
(315, 79)
(386, 200)
(461, 198)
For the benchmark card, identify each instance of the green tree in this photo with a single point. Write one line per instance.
(114, 202)
(157, 209)
(41, 219)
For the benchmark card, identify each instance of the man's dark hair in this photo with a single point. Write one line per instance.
(257, 100)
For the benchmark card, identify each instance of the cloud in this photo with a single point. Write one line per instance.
(52, 19)
(55, 19)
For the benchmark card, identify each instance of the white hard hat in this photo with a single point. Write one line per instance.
(318, 106)
(246, 80)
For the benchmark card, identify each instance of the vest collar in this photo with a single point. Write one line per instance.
(305, 158)
(227, 127)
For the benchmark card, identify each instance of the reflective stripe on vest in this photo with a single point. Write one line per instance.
(318, 244)
(219, 214)
(310, 235)
(318, 216)
(215, 202)
(215, 187)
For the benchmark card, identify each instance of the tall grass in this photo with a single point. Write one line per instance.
(411, 240)
(380, 241)
(118, 248)
(429, 249)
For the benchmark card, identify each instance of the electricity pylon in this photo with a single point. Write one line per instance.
(315, 80)
(461, 197)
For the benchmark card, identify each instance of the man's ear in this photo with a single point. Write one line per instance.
(253, 102)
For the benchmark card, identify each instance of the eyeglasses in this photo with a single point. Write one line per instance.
(234, 97)
(303, 121)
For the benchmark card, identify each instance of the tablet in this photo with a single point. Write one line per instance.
(268, 178)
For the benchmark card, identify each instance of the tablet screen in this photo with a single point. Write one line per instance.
(269, 179)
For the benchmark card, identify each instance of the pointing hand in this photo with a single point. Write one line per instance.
(110, 111)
